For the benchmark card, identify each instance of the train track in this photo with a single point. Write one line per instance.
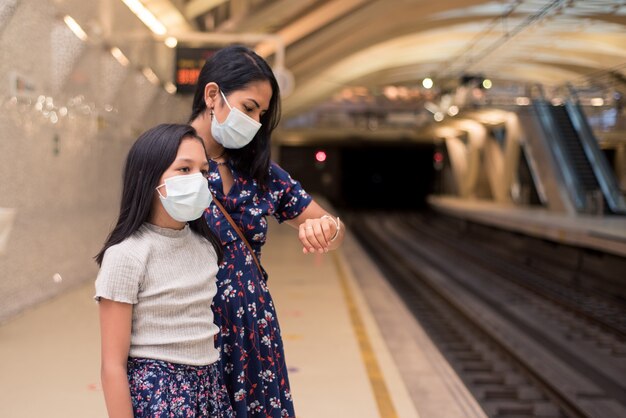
(524, 348)
(529, 266)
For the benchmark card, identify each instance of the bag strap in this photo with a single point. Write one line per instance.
(238, 231)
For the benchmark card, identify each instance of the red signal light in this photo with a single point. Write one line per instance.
(438, 157)
(320, 156)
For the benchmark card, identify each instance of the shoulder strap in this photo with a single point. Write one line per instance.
(238, 231)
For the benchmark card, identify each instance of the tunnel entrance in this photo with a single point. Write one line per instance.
(364, 175)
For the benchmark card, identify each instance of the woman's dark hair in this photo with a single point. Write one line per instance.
(233, 68)
(153, 152)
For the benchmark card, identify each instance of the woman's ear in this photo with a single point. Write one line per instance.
(211, 90)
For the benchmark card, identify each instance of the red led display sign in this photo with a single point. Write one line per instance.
(189, 62)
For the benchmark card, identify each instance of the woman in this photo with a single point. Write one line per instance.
(235, 109)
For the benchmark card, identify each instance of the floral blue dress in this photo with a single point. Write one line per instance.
(250, 343)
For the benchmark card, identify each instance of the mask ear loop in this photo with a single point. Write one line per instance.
(240, 112)
(227, 104)
(159, 192)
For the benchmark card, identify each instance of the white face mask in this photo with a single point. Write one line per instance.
(237, 130)
(187, 196)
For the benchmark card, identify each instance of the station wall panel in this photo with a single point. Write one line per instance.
(68, 115)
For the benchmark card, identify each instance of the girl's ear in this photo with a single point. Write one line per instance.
(211, 91)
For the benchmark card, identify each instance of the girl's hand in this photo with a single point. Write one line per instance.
(316, 233)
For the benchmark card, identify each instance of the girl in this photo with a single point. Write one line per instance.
(236, 107)
(155, 285)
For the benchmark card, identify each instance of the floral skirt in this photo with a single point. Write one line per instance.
(159, 389)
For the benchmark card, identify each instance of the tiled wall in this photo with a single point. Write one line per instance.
(65, 128)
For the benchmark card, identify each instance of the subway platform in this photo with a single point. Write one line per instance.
(353, 349)
(603, 233)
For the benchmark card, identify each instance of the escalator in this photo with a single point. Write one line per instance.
(575, 155)
(613, 196)
(586, 173)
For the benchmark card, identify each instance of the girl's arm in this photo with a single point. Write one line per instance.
(115, 327)
(315, 229)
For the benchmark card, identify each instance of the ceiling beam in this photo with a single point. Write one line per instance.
(267, 17)
(311, 22)
(197, 8)
(168, 14)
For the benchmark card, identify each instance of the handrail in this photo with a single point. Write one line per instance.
(536, 91)
(572, 93)
(599, 164)
(212, 38)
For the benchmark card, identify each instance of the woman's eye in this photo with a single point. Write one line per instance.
(247, 109)
(184, 169)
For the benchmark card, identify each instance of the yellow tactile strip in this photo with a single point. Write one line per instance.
(379, 387)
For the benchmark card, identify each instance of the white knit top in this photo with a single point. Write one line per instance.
(170, 278)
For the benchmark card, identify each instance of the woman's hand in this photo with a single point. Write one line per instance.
(318, 230)
(316, 233)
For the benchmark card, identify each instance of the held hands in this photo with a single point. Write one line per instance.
(317, 234)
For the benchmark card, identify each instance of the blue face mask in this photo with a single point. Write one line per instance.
(236, 131)
(187, 196)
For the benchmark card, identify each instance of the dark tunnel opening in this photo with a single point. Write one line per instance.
(364, 176)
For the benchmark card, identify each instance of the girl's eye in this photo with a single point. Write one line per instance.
(184, 169)
(247, 109)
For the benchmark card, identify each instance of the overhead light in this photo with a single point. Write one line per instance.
(119, 56)
(170, 87)
(146, 16)
(427, 83)
(453, 110)
(75, 27)
(487, 83)
(597, 101)
(171, 42)
(438, 116)
(391, 92)
(522, 101)
(150, 75)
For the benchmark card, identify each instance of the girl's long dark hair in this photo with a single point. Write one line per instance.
(233, 68)
(153, 152)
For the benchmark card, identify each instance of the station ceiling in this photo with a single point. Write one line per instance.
(332, 44)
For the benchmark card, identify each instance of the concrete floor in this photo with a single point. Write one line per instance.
(339, 364)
